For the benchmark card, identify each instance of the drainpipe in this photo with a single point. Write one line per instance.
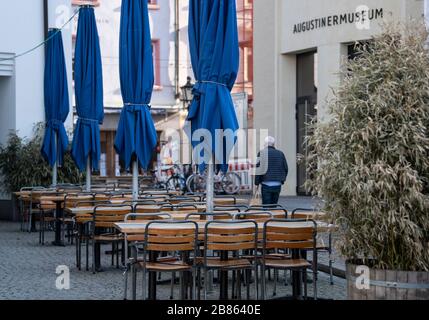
(46, 17)
(176, 47)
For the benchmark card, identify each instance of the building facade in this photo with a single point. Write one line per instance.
(22, 27)
(168, 22)
(308, 42)
(172, 66)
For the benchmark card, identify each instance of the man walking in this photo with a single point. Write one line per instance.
(274, 165)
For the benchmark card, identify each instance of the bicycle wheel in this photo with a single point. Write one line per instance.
(176, 184)
(196, 184)
(231, 183)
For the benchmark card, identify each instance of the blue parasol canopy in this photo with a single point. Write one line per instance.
(213, 38)
(57, 102)
(89, 91)
(136, 134)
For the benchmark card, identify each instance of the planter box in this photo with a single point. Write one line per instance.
(386, 284)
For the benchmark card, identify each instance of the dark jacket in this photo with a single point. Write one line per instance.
(277, 169)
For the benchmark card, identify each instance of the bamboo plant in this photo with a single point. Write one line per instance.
(370, 161)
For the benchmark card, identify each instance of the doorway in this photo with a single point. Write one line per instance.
(306, 111)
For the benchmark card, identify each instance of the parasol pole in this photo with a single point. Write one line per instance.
(88, 174)
(135, 180)
(55, 167)
(210, 186)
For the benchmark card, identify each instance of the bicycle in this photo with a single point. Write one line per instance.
(229, 183)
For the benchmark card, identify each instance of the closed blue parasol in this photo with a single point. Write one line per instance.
(57, 102)
(89, 92)
(213, 37)
(136, 135)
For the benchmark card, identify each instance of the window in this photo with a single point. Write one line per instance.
(94, 3)
(156, 63)
(153, 4)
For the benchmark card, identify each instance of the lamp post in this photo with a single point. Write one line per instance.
(186, 98)
(187, 93)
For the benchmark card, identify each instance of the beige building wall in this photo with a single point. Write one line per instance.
(276, 46)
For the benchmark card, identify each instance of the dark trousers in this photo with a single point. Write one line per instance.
(270, 195)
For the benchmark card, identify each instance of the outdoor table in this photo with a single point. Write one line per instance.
(139, 228)
(58, 199)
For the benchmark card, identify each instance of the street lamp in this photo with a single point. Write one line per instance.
(187, 93)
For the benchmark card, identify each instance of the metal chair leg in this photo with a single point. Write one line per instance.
(276, 277)
(256, 282)
(173, 280)
(194, 284)
(87, 253)
(144, 283)
(205, 284)
(93, 256)
(304, 274)
(134, 283)
(126, 282)
(263, 282)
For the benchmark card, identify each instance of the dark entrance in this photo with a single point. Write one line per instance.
(306, 111)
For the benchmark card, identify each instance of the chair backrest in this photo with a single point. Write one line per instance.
(240, 207)
(299, 213)
(171, 236)
(140, 202)
(259, 216)
(198, 196)
(105, 216)
(289, 234)
(226, 208)
(178, 200)
(90, 203)
(225, 200)
(72, 199)
(203, 216)
(277, 210)
(147, 216)
(190, 208)
(161, 198)
(147, 208)
(231, 235)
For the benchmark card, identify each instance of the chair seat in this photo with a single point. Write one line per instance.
(171, 266)
(109, 237)
(287, 263)
(215, 262)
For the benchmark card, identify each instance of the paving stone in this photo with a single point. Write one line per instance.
(28, 271)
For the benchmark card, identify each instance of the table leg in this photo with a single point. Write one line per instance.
(223, 278)
(296, 278)
(58, 226)
(152, 277)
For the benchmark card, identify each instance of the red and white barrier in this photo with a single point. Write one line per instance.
(243, 169)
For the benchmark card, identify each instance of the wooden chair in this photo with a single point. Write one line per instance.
(81, 229)
(135, 239)
(230, 236)
(46, 210)
(103, 231)
(321, 246)
(165, 237)
(293, 235)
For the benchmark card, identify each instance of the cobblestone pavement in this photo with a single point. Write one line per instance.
(28, 272)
